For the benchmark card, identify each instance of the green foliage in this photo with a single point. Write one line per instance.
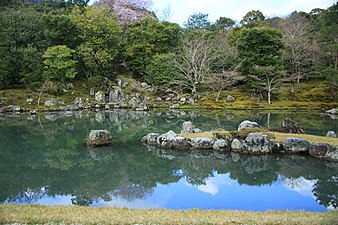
(21, 44)
(148, 37)
(100, 38)
(222, 24)
(258, 46)
(252, 18)
(59, 63)
(197, 21)
(161, 70)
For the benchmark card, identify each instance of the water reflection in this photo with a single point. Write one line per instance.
(43, 159)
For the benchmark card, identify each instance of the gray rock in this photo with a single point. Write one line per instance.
(150, 139)
(276, 146)
(331, 134)
(332, 111)
(119, 82)
(70, 86)
(17, 108)
(183, 100)
(107, 107)
(236, 145)
(221, 145)
(99, 96)
(295, 145)
(166, 140)
(144, 85)
(247, 124)
(30, 101)
(78, 102)
(196, 130)
(256, 144)
(187, 127)
(51, 102)
(181, 143)
(230, 99)
(191, 101)
(201, 143)
(324, 151)
(99, 138)
(158, 99)
(174, 106)
(133, 102)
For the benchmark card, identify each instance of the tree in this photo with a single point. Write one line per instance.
(299, 52)
(252, 18)
(146, 38)
(100, 39)
(161, 71)
(260, 51)
(269, 78)
(127, 11)
(197, 21)
(59, 63)
(222, 24)
(193, 58)
(224, 80)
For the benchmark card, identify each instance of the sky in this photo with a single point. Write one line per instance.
(234, 9)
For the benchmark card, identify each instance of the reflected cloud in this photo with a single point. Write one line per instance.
(213, 184)
(300, 185)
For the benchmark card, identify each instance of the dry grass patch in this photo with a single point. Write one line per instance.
(36, 214)
(310, 138)
(197, 135)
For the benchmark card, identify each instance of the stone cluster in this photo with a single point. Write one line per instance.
(252, 144)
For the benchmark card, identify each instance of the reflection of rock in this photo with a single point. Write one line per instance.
(324, 151)
(100, 154)
(290, 126)
(247, 124)
(295, 145)
(255, 164)
(256, 144)
(99, 138)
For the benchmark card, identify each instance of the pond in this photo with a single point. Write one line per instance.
(44, 160)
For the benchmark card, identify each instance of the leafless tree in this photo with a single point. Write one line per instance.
(127, 10)
(193, 59)
(224, 80)
(300, 52)
(269, 78)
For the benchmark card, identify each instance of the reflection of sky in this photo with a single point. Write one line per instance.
(218, 192)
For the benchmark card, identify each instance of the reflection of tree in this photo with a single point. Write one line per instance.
(326, 192)
(54, 160)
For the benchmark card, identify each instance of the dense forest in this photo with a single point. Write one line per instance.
(53, 42)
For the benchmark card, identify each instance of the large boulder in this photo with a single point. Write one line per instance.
(150, 139)
(256, 144)
(99, 138)
(290, 126)
(236, 145)
(295, 145)
(221, 145)
(99, 96)
(181, 143)
(331, 134)
(166, 140)
(201, 143)
(324, 151)
(247, 124)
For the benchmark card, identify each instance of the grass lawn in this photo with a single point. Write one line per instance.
(36, 214)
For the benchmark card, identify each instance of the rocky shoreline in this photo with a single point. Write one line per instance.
(249, 139)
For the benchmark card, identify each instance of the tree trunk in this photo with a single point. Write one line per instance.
(292, 91)
(269, 96)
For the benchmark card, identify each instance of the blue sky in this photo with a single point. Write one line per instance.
(235, 9)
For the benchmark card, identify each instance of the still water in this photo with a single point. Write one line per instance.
(44, 160)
